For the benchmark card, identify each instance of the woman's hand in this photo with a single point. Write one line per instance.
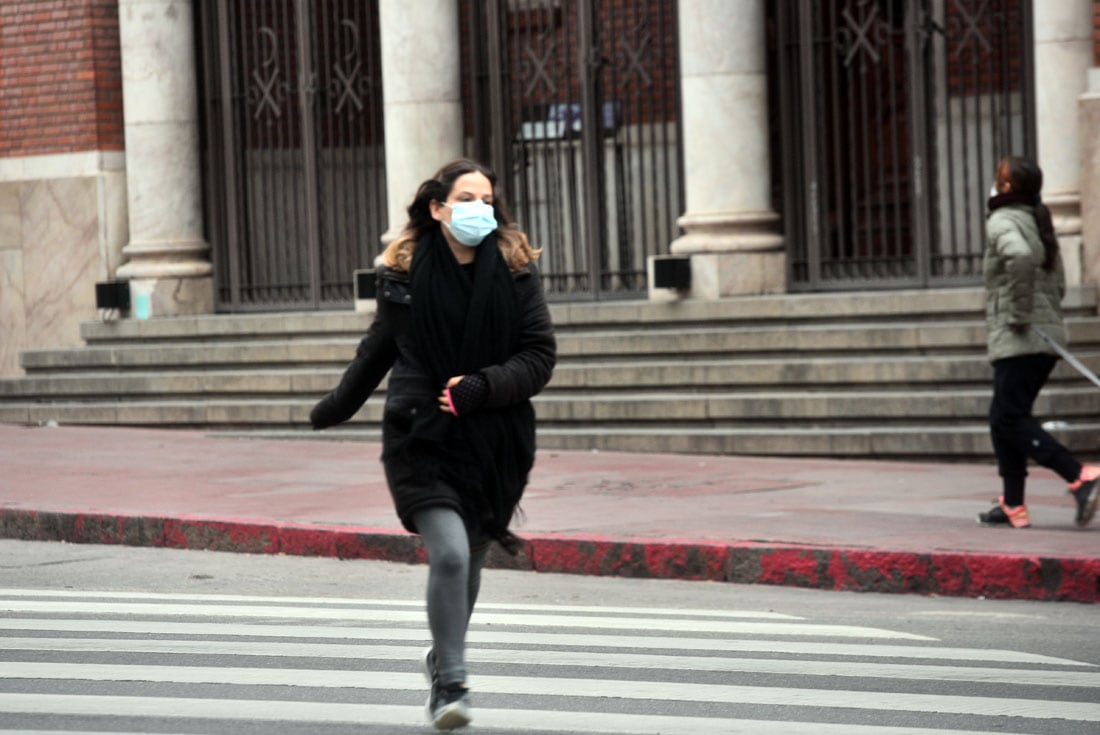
(464, 394)
(445, 395)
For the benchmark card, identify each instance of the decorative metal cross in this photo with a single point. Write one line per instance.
(632, 54)
(539, 66)
(345, 80)
(971, 26)
(862, 38)
(267, 87)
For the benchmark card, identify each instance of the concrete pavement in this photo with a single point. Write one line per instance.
(837, 524)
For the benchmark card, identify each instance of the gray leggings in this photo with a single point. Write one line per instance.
(454, 578)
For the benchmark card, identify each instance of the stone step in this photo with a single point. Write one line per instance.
(808, 373)
(628, 314)
(832, 407)
(687, 374)
(964, 442)
(653, 342)
(777, 339)
(226, 327)
(673, 409)
(197, 382)
(891, 374)
(860, 308)
(865, 307)
(145, 356)
(907, 337)
(167, 413)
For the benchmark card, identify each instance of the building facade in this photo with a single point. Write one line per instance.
(227, 156)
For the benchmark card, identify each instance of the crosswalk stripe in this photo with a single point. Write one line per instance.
(483, 618)
(810, 648)
(566, 687)
(510, 720)
(24, 731)
(1022, 677)
(576, 664)
(418, 604)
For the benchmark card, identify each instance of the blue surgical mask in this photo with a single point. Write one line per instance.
(471, 222)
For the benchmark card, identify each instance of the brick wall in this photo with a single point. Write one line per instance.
(1096, 32)
(60, 77)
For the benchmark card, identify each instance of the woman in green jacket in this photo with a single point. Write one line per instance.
(1024, 286)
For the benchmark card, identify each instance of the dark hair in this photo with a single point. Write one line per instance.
(1027, 180)
(438, 187)
(513, 243)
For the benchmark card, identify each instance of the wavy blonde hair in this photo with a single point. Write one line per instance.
(514, 246)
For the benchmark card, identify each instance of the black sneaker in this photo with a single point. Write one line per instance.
(449, 706)
(430, 672)
(1086, 496)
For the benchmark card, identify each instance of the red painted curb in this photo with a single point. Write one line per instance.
(958, 574)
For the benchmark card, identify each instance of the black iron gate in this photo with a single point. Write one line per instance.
(575, 103)
(293, 148)
(893, 114)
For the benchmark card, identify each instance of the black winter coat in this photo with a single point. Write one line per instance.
(390, 343)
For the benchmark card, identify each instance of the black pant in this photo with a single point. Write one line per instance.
(1017, 435)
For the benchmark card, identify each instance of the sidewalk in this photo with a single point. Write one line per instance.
(836, 524)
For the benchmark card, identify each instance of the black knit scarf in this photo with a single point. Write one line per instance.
(1010, 198)
(463, 323)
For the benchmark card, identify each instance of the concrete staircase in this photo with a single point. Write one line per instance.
(895, 374)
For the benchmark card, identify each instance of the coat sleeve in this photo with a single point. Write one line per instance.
(528, 371)
(1019, 267)
(373, 359)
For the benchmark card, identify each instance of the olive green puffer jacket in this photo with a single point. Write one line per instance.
(1018, 291)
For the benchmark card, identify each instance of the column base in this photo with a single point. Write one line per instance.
(1065, 211)
(187, 258)
(732, 254)
(1088, 111)
(720, 275)
(171, 296)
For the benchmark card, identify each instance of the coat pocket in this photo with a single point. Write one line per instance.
(398, 420)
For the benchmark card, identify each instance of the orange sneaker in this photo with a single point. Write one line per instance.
(1001, 514)
(1088, 473)
(1086, 491)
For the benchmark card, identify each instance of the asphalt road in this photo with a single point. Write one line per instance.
(126, 640)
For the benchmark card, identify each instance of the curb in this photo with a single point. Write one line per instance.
(955, 574)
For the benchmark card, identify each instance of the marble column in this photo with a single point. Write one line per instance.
(1088, 106)
(1063, 56)
(168, 262)
(731, 232)
(422, 97)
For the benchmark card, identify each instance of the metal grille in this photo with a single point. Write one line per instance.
(983, 110)
(576, 104)
(894, 114)
(293, 148)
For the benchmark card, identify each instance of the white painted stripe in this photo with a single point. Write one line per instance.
(23, 731)
(576, 640)
(480, 618)
(648, 662)
(509, 720)
(418, 604)
(566, 687)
